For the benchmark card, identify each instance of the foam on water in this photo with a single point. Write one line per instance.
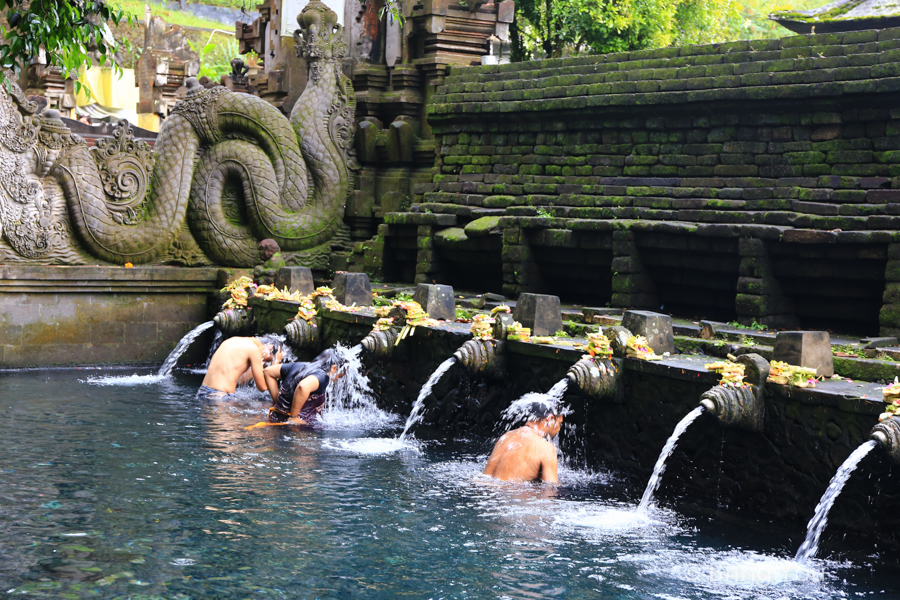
(739, 573)
(604, 519)
(125, 379)
(372, 445)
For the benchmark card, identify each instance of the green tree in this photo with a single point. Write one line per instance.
(553, 28)
(66, 31)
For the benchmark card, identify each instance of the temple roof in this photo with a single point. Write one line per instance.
(841, 15)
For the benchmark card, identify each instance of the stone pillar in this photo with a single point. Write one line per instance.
(428, 263)
(889, 318)
(759, 295)
(373, 261)
(520, 272)
(632, 286)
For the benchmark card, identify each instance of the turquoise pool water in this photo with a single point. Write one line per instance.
(139, 492)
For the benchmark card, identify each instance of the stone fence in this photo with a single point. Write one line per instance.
(747, 180)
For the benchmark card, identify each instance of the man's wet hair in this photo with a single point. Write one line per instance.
(329, 358)
(538, 411)
(275, 343)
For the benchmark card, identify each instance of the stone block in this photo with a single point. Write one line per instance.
(539, 312)
(352, 289)
(436, 300)
(656, 327)
(295, 279)
(810, 349)
(870, 343)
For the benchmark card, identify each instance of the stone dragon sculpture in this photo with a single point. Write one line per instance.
(227, 170)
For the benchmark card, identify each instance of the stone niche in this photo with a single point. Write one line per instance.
(100, 315)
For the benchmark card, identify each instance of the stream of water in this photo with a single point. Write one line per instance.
(667, 450)
(820, 519)
(416, 414)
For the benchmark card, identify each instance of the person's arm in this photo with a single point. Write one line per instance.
(256, 368)
(272, 375)
(308, 385)
(549, 465)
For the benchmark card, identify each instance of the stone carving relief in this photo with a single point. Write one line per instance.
(227, 170)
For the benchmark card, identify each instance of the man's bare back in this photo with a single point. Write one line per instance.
(526, 454)
(233, 357)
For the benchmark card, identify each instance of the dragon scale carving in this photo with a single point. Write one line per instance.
(227, 164)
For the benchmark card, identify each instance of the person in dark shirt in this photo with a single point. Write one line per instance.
(299, 388)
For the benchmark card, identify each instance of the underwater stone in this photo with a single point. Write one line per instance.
(295, 279)
(810, 349)
(539, 312)
(437, 300)
(657, 328)
(352, 289)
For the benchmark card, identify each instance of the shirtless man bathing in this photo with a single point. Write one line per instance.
(231, 362)
(526, 453)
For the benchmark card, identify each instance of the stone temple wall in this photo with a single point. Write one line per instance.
(747, 180)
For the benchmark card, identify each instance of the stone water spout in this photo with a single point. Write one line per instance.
(742, 407)
(382, 343)
(303, 333)
(596, 378)
(233, 320)
(485, 356)
(887, 434)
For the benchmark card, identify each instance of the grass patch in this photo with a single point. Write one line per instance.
(753, 325)
(172, 17)
(844, 349)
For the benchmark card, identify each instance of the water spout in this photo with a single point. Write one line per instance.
(480, 357)
(667, 450)
(416, 414)
(817, 524)
(166, 369)
(381, 343)
(595, 378)
(736, 406)
(303, 333)
(887, 435)
(233, 320)
(742, 406)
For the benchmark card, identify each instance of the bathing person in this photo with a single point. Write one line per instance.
(526, 453)
(300, 395)
(234, 357)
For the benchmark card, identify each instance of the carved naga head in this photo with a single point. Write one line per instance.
(320, 35)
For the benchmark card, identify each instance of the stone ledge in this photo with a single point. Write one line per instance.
(87, 280)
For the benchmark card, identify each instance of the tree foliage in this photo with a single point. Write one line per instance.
(553, 28)
(66, 31)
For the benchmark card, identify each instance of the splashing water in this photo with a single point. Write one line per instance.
(520, 410)
(817, 524)
(416, 414)
(217, 341)
(667, 450)
(166, 369)
(349, 401)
